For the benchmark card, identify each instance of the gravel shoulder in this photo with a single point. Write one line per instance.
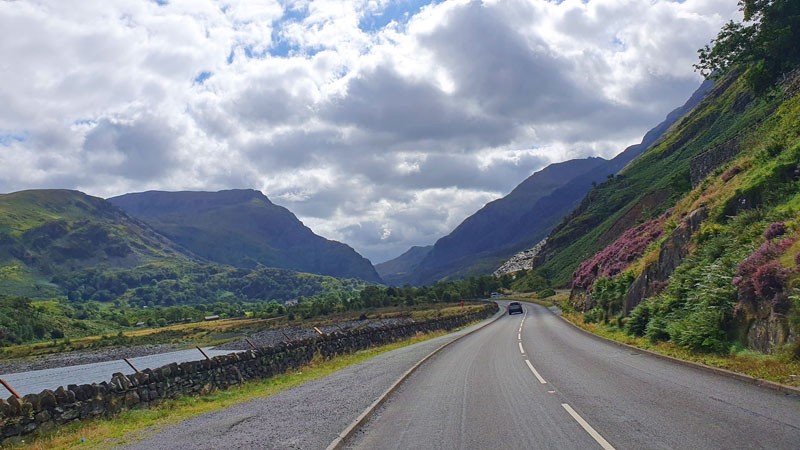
(305, 417)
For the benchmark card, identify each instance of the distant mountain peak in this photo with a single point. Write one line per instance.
(243, 228)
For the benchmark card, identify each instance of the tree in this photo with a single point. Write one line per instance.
(765, 43)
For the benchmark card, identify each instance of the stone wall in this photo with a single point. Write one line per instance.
(40, 413)
(705, 163)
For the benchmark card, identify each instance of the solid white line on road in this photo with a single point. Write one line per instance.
(535, 373)
(594, 434)
(520, 348)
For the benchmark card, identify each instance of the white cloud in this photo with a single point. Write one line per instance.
(381, 136)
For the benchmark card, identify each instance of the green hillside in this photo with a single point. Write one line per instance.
(48, 232)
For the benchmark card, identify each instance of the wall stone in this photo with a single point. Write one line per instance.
(702, 165)
(40, 413)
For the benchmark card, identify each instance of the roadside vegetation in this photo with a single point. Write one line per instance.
(34, 327)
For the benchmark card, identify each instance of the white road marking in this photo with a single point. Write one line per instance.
(594, 434)
(535, 373)
(519, 336)
(521, 350)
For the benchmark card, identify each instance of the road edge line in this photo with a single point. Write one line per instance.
(786, 389)
(345, 434)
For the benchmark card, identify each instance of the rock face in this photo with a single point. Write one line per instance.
(673, 250)
(766, 330)
(48, 409)
(521, 261)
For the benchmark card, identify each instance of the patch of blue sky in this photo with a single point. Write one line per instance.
(161, 2)
(6, 139)
(202, 77)
(282, 47)
(399, 11)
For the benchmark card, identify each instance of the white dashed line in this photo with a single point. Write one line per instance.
(521, 350)
(535, 373)
(594, 434)
(519, 336)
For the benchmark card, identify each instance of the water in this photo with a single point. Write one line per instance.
(36, 381)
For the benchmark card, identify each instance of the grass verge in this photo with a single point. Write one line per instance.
(134, 425)
(774, 368)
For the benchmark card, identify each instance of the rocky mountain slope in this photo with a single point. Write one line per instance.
(243, 228)
(516, 222)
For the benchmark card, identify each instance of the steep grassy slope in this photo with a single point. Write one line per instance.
(244, 229)
(697, 241)
(652, 183)
(45, 232)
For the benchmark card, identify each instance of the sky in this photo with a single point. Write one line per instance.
(380, 123)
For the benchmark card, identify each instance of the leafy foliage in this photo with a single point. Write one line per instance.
(766, 42)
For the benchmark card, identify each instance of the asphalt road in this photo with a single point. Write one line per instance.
(540, 383)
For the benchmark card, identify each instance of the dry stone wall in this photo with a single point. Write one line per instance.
(40, 413)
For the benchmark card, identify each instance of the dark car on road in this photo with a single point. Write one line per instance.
(514, 308)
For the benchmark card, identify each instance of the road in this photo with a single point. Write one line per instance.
(532, 381)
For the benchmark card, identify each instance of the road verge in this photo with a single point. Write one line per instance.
(790, 390)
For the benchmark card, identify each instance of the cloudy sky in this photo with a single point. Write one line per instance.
(379, 123)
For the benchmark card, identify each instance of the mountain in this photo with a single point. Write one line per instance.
(697, 241)
(521, 219)
(395, 271)
(47, 232)
(243, 228)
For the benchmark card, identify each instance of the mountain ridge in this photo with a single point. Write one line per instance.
(243, 228)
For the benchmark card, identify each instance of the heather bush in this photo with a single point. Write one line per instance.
(760, 275)
(615, 258)
(776, 229)
(769, 280)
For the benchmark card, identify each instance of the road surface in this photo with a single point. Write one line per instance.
(532, 381)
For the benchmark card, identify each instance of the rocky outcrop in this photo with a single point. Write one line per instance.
(521, 261)
(673, 250)
(765, 330)
(41, 413)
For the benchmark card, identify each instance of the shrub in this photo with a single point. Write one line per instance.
(594, 315)
(701, 330)
(656, 329)
(769, 280)
(612, 260)
(638, 319)
(759, 275)
(776, 229)
(549, 292)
